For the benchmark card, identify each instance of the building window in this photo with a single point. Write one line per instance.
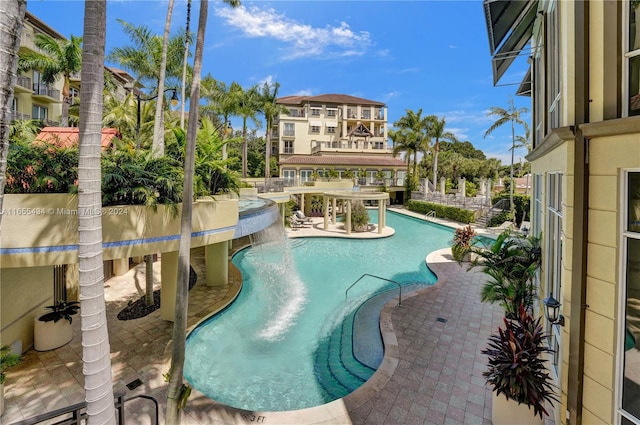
(552, 50)
(632, 59)
(288, 146)
(536, 226)
(289, 129)
(39, 113)
(331, 129)
(351, 113)
(289, 177)
(553, 257)
(315, 129)
(331, 112)
(315, 112)
(74, 96)
(379, 114)
(305, 176)
(366, 114)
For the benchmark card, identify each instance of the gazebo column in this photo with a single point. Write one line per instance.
(168, 288)
(217, 263)
(302, 202)
(381, 216)
(325, 208)
(347, 219)
(334, 205)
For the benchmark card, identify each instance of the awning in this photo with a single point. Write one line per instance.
(315, 123)
(331, 124)
(509, 26)
(525, 86)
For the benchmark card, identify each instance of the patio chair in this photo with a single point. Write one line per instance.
(296, 223)
(299, 215)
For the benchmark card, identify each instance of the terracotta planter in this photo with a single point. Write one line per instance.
(51, 335)
(509, 412)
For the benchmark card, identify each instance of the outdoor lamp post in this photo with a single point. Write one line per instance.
(174, 102)
(552, 311)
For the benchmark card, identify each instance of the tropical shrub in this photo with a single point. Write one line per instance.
(359, 217)
(516, 366)
(462, 241)
(521, 204)
(442, 211)
(8, 359)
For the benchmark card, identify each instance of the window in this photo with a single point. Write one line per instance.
(74, 96)
(39, 113)
(289, 177)
(315, 129)
(366, 114)
(632, 59)
(331, 112)
(305, 175)
(288, 146)
(553, 257)
(379, 114)
(537, 205)
(628, 376)
(553, 62)
(331, 129)
(289, 129)
(315, 112)
(351, 113)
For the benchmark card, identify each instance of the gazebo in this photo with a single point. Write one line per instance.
(348, 198)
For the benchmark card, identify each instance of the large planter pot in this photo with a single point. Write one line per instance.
(51, 335)
(509, 412)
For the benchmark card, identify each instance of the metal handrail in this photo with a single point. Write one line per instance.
(79, 414)
(430, 214)
(377, 277)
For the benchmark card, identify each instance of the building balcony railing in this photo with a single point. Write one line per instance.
(23, 81)
(45, 90)
(18, 116)
(349, 146)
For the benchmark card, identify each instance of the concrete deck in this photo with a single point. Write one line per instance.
(431, 373)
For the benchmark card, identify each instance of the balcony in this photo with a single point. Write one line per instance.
(350, 146)
(23, 85)
(43, 90)
(296, 113)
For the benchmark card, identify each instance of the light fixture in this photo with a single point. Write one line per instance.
(552, 311)
(174, 98)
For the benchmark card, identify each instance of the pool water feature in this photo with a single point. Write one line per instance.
(244, 357)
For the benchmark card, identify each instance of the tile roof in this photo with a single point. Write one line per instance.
(69, 136)
(341, 99)
(337, 160)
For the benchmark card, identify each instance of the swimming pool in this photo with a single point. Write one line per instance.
(287, 342)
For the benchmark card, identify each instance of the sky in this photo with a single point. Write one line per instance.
(414, 54)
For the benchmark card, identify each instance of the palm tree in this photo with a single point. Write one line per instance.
(178, 392)
(60, 58)
(436, 131)
(11, 18)
(512, 115)
(225, 100)
(270, 109)
(248, 107)
(414, 139)
(183, 86)
(95, 337)
(410, 143)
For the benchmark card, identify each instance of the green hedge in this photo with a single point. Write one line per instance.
(442, 211)
(521, 203)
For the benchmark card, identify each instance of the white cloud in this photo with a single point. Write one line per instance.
(299, 40)
(460, 133)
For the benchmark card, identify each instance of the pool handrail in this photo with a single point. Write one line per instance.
(377, 277)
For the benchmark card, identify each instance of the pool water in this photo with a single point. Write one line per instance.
(288, 341)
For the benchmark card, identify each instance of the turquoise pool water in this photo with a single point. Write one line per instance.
(287, 342)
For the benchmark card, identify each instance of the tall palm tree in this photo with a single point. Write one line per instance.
(414, 140)
(271, 110)
(410, 143)
(437, 132)
(503, 116)
(11, 18)
(224, 100)
(157, 148)
(59, 58)
(249, 103)
(178, 392)
(185, 60)
(96, 358)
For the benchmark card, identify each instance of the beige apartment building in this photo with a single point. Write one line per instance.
(336, 136)
(584, 83)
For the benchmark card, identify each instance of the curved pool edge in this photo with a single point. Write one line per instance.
(208, 411)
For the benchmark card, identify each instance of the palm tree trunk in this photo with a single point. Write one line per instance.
(96, 358)
(158, 125)
(436, 150)
(513, 142)
(148, 262)
(184, 66)
(176, 389)
(267, 156)
(11, 18)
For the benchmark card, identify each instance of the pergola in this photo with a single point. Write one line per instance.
(348, 198)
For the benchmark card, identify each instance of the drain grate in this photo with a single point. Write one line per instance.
(441, 320)
(134, 384)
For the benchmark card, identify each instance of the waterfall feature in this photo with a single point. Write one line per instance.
(287, 295)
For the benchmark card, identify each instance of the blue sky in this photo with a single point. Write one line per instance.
(432, 55)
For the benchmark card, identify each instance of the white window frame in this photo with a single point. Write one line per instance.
(38, 116)
(628, 55)
(331, 129)
(315, 112)
(315, 129)
(289, 146)
(305, 176)
(289, 176)
(289, 129)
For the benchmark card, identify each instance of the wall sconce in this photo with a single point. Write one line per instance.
(552, 311)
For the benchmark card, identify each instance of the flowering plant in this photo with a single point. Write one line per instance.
(462, 241)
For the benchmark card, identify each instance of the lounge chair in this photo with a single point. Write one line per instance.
(299, 215)
(297, 223)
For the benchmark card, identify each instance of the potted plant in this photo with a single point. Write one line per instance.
(462, 241)
(359, 217)
(517, 372)
(511, 262)
(8, 359)
(53, 329)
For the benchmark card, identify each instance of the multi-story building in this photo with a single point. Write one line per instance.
(335, 135)
(584, 82)
(35, 100)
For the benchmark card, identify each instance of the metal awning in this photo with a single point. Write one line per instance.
(525, 86)
(509, 26)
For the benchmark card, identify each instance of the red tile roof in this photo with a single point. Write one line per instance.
(338, 160)
(69, 136)
(341, 99)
